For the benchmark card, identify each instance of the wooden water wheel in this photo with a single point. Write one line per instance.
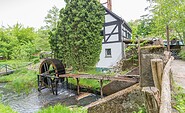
(49, 70)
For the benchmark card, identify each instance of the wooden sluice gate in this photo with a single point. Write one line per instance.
(50, 78)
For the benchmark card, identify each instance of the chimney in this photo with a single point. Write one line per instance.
(109, 4)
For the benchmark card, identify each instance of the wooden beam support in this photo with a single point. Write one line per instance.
(78, 86)
(168, 38)
(101, 88)
(67, 83)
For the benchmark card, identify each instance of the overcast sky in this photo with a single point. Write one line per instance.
(32, 12)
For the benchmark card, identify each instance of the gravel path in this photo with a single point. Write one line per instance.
(178, 72)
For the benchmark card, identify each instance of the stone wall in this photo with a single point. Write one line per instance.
(124, 101)
(146, 54)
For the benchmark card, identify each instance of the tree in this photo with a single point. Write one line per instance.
(52, 18)
(77, 36)
(169, 13)
(18, 42)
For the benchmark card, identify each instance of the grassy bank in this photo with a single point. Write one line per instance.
(62, 109)
(22, 80)
(6, 109)
(15, 63)
(179, 97)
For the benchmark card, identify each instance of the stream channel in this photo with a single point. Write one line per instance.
(31, 103)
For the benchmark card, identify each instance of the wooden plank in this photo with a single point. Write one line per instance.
(165, 106)
(98, 77)
(157, 68)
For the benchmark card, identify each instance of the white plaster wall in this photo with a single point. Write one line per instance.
(109, 29)
(116, 50)
(112, 38)
(109, 18)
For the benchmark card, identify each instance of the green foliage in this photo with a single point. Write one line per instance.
(52, 18)
(179, 97)
(18, 42)
(62, 109)
(77, 40)
(6, 109)
(161, 14)
(171, 13)
(182, 54)
(141, 109)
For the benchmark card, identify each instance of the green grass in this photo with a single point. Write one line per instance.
(179, 97)
(62, 109)
(89, 83)
(6, 109)
(15, 63)
(21, 80)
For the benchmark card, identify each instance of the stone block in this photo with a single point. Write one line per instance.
(124, 101)
(146, 54)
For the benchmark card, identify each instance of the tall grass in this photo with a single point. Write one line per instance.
(22, 80)
(6, 109)
(62, 109)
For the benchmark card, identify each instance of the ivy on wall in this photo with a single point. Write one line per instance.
(76, 40)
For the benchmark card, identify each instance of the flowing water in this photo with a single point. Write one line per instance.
(31, 103)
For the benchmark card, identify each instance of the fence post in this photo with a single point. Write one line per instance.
(157, 72)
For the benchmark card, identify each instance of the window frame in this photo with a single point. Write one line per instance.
(107, 55)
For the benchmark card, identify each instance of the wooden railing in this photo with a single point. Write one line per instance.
(6, 69)
(165, 106)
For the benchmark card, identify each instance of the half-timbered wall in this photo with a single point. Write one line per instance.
(112, 29)
(115, 30)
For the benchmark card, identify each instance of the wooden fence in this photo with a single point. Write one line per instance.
(165, 106)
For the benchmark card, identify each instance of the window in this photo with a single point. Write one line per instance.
(108, 53)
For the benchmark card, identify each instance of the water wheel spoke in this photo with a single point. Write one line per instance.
(50, 68)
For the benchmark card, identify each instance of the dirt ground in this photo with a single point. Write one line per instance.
(178, 72)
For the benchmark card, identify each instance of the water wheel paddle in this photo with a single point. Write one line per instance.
(50, 69)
